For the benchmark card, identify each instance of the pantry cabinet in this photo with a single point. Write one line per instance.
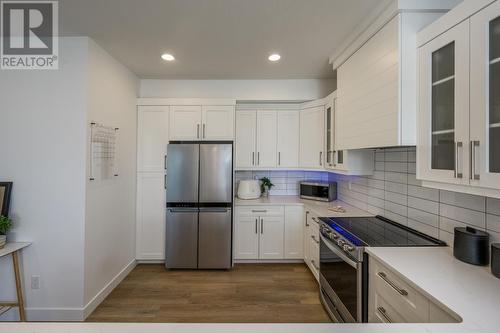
(459, 117)
(312, 137)
(150, 219)
(152, 138)
(256, 139)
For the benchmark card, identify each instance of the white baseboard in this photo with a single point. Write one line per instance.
(54, 314)
(269, 261)
(150, 261)
(101, 295)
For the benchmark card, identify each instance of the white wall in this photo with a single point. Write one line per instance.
(42, 149)
(262, 90)
(110, 214)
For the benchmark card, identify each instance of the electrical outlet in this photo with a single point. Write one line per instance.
(35, 282)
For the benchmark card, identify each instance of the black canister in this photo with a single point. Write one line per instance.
(495, 259)
(471, 246)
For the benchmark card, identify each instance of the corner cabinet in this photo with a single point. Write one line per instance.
(459, 105)
(312, 136)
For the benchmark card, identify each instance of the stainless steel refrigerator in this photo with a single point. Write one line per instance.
(199, 205)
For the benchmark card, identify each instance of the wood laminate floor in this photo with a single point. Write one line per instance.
(249, 293)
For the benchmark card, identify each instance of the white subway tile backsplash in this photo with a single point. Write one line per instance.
(422, 227)
(400, 199)
(396, 167)
(376, 193)
(470, 217)
(379, 166)
(396, 188)
(423, 217)
(396, 177)
(493, 222)
(412, 180)
(463, 200)
(412, 168)
(446, 237)
(379, 156)
(379, 175)
(493, 206)
(396, 208)
(423, 193)
(425, 205)
(396, 156)
(396, 217)
(449, 225)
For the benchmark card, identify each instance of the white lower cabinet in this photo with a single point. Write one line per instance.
(311, 242)
(268, 233)
(294, 231)
(392, 299)
(151, 215)
(271, 237)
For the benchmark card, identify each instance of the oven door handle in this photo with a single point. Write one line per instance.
(339, 252)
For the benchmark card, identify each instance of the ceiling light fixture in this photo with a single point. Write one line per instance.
(274, 57)
(167, 57)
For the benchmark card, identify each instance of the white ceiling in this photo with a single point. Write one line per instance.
(218, 39)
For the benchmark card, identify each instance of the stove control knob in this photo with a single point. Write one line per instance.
(334, 235)
(341, 242)
(347, 248)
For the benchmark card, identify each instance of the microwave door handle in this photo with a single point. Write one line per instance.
(339, 253)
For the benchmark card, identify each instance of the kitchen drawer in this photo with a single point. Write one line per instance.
(411, 305)
(314, 231)
(261, 211)
(384, 311)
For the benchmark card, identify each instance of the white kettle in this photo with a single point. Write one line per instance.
(249, 189)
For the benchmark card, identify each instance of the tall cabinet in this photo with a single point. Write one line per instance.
(152, 141)
(459, 103)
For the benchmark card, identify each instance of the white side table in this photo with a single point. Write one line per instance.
(13, 249)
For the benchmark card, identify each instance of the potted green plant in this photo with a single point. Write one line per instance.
(265, 186)
(5, 224)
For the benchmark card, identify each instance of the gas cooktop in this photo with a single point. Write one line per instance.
(378, 231)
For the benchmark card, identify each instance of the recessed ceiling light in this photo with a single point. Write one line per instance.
(274, 57)
(167, 57)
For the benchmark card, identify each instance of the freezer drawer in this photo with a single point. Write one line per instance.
(182, 238)
(215, 238)
(182, 172)
(216, 173)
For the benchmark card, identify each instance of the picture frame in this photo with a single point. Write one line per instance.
(5, 193)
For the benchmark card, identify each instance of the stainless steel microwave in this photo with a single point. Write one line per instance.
(320, 191)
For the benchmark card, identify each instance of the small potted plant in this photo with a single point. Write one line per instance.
(265, 186)
(5, 224)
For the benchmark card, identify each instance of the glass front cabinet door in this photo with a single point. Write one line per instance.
(485, 97)
(443, 127)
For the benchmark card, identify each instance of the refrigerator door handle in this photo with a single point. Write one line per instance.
(214, 210)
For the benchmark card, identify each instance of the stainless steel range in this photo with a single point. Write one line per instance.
(344, 263)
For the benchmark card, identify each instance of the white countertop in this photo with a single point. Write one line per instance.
(318, 207)
(13, 247)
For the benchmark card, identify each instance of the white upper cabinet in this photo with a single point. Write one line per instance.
(312, 137)
(246, 133)
(377, 91)
(443, 147)
(256, 139)
(266, 139)
(288, 138)
(218, 122)
(459, 107)
(485, 97)
(152, 138)
(185, 122)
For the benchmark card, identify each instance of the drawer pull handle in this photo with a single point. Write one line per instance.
(392, 284)
(382, 311)
(258, 211)
(314, 239)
